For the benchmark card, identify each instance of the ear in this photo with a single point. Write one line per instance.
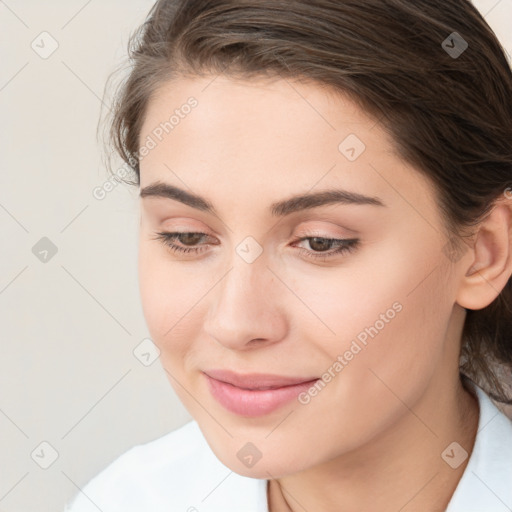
(491, 265)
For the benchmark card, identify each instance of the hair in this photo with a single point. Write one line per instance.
(449, 115)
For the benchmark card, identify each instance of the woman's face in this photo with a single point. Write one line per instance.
(375, 322)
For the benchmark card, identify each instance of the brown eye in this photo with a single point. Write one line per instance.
(322, 245)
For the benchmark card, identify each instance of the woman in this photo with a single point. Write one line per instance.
(325, 256)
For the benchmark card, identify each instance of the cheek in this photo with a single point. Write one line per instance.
(168, 292)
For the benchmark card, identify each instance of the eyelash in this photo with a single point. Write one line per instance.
(344, 245)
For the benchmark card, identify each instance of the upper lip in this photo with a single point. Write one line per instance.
(256, 380)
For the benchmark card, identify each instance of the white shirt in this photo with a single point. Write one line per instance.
(179, 472)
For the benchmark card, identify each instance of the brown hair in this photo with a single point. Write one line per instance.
(447, 107)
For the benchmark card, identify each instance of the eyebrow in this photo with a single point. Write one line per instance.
(279, 209)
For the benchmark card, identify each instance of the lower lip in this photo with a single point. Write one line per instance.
(246, 402)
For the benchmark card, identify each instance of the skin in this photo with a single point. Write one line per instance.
(389, 414)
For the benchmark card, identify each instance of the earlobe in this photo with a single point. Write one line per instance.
(491, 266)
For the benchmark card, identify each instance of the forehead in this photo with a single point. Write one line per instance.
(268, 103)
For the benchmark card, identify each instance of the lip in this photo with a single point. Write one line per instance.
(256, 381)
(243, 394)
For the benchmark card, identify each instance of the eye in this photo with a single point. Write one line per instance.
(320, 245)
(185, 238)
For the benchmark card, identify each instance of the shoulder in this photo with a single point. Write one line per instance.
(134, 480)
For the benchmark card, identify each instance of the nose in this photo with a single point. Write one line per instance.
(246, 309)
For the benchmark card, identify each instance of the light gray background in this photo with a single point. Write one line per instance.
(68, 374)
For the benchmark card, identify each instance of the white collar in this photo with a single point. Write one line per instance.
(486, 484)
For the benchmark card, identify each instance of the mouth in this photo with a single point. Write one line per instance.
(255, 395)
